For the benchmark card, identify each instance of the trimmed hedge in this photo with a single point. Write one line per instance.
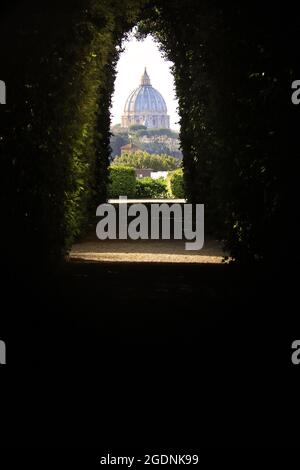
(231, 77)
(140, 159)
(149, 188)
(59, 61)
(176, 184)
(55, 128)
(122, 182)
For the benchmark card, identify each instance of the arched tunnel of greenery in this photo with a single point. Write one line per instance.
(232, 73)
(187, 355)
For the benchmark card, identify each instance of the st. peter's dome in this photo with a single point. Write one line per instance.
(145, 105)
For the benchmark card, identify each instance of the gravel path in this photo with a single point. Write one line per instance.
(145, 251)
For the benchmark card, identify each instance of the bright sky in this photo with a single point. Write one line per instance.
(130, 68)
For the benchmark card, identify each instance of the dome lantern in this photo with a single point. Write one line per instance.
(145, 79)
(145, 105)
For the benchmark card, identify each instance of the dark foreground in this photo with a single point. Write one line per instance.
(128, 347)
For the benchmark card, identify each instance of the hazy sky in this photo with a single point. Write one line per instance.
(137, 56)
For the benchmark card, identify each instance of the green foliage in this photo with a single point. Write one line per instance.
(232, 74)
(117, 141)
(137, 127)
(157, 133)
(150, 188)
(146, 160)
(55, 134)
(120, 137)
(176, 184)
(230, 78)
(159, 148)
(122, 182)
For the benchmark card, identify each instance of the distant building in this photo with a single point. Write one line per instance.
(148, 172)
(172, 143)
(129, 148)
(143, 172)
(146, 106)
(159, 174)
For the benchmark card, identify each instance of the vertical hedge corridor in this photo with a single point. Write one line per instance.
(232, 72)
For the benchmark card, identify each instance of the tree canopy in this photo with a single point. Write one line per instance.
(147, 160)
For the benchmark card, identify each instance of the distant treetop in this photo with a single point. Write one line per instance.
(140, 160)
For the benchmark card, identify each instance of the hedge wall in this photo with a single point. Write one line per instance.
(233, 70)
(59, 66)
(122, 182)
(150, 188)
(176, 184)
